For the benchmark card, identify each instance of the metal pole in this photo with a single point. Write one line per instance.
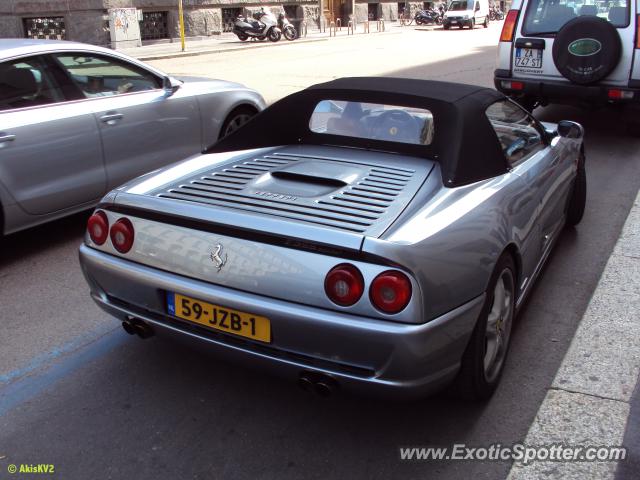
(181, 15)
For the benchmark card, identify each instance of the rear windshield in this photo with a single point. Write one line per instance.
(548, 16)
(373, 121)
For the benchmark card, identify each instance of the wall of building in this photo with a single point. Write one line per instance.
(88, 20)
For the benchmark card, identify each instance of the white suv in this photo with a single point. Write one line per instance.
(584, 52)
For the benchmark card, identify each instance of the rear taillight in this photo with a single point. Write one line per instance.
(98, 227)
(122, 235)
(390, 291)
(638, 31)
(617, 94)
(344, 284)
(509, 27)
(511, 85)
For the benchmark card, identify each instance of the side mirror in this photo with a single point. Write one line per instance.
(169, 85)
(569, 129)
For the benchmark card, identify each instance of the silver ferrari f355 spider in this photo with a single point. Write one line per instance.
(375, 234)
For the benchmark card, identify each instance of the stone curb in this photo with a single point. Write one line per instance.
(589, 400)
(233, 48)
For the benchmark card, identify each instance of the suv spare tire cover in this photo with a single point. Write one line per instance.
(586, 49)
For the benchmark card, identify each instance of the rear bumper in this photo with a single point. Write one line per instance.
(362, 354)
(548, 91)
(447, 22)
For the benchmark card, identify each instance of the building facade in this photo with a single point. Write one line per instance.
(127, 23)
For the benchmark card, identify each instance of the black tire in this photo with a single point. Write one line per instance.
(586, 49)
(446, 26)
(243, 37)
(274, 35)
(528, 103)
(578, 199)
(238, 117)
(472, 24)
(461, 26)
(290, 33)
(486, 22)
(473, 381)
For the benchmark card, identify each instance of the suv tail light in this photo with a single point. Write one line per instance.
(638, 31)
(509, 27)
(122, 235)
(344, 284)
(390, 291)
(98, 227)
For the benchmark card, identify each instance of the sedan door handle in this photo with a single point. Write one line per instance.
(6, 137)
(111, 118)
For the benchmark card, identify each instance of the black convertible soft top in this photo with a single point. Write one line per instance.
(464, 144)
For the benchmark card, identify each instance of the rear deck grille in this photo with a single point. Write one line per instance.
(365, 204)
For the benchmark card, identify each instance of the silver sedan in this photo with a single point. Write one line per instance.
(77, 120)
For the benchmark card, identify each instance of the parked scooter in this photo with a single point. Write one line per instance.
(428, 17)
(288, 30)
(264, 25)
(495, 13)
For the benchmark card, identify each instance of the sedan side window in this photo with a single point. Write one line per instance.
(27, 83)
(517, 130)
(102, 76)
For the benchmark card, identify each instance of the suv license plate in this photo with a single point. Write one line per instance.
(528, 57)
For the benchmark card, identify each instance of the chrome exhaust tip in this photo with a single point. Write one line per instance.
(128, 327)
(142, 329)
(318, 383)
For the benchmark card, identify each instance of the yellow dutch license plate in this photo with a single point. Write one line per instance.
(220, 318)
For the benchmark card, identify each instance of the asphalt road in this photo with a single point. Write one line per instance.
(78, 393)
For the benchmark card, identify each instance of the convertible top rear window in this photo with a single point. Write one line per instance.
(373, 121)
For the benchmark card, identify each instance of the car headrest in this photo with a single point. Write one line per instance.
(589, 10)
(618, 15)
(17, 82)
(557, 16)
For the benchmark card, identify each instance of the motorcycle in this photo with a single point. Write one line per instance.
(264, 25)
(495, 13)
(288, 30)
(428, 17)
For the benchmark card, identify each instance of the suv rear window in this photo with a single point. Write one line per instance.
(546, 17)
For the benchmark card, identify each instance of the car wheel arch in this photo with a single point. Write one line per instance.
(512, 250)
(244, 106)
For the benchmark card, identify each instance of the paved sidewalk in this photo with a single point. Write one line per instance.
(227, 42)
(589, 401)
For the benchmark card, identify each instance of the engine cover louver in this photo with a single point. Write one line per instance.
(332, 192)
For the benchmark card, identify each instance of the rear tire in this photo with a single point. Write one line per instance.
(578, 199)
(483, 360)
(472, 24)
(446, 27)
(486, 22)
(274, 35)
(238, 117)
(528, 103)
(242, 37)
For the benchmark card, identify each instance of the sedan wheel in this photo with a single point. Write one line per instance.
(236, 119)
(484, 357)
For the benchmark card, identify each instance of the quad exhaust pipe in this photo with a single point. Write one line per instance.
(318, 383)
(135, 326)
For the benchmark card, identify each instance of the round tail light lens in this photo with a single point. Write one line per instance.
(122, 235)
(344, 284)
(390, 291)
(98, 227)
